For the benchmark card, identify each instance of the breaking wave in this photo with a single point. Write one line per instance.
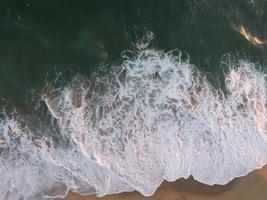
(154, 117)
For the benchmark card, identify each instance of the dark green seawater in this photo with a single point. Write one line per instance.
(37, 36)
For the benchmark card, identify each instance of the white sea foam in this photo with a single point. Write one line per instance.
(152, 118)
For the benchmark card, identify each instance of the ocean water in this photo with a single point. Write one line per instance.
(102, 97)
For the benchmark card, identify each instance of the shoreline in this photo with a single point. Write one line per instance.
(252, 186)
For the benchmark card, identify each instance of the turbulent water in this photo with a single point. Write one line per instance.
(154, 117)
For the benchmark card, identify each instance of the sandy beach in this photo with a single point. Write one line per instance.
(250, 187)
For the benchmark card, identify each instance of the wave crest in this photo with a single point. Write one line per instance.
(155, 117)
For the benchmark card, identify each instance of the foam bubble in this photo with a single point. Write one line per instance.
(155, 117)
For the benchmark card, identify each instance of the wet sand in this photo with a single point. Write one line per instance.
(250, 187)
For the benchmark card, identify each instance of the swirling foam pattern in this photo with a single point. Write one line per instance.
(155, 117)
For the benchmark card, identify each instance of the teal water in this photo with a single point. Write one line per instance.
(37, 36)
